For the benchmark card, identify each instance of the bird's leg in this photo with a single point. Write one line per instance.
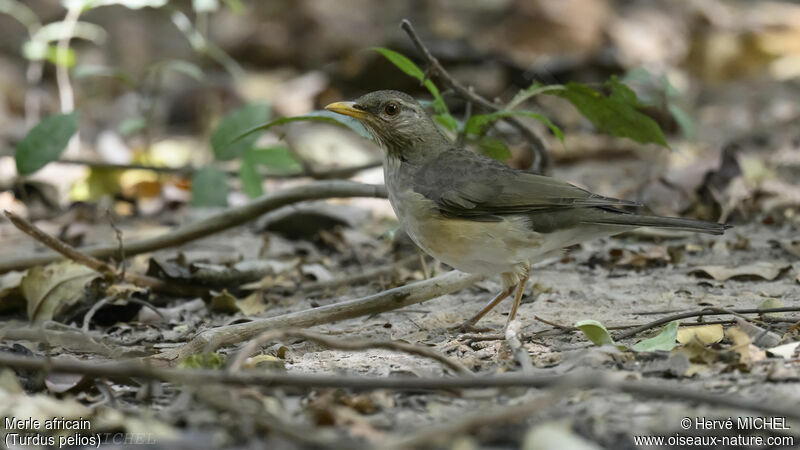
(469, 324)
(518, 298)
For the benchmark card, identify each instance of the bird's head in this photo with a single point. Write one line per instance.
(397, 121)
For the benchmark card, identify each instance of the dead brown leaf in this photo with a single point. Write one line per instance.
(786, 351)
(704, 334)
(749, 354)
(763, 269)
(52, 290)
(640, 258)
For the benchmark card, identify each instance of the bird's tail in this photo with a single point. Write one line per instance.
(675, 223)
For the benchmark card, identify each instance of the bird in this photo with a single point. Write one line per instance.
(477, 214)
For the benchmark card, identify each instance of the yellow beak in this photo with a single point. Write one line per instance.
(347, 109)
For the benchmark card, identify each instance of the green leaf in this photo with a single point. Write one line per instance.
(132, 125)
(479, 124)
(669, 89)
(180, 66)
(235, 124)
(55, 56)
(278, 158)
(665, 340)
(209, 188)
(615, 114)
(42, 51)
(447, 121)
(235, 6)
(95, 70)
(638, 75)
(248, 174)
(685, 122)
(45, 142)
(494, 148)
(411, 69)
(532, 91)
(771, 303)
(621, 92)
(402, 62)
(595, 331)
(314, 116)
(203, 361)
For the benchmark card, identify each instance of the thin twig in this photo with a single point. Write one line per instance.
(121, 265)
(555, 325)
(171, 288)
(542, 163)
(351, 280)
(701, 313)
(389, 300)
(349, 344)
(228, 218)
(462, 135)
(590, 379)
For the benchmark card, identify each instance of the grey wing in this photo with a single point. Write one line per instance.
(467, 185)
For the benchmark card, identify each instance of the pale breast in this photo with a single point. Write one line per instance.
(469, 246)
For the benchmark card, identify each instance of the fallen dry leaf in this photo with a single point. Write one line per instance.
(224, 302)
(698, 353)
(252, 304)
(640, 258)
(556, 434)
(54, 289)
(9, 382)
(763, 269)
(786, 351)
(10, 295)
(749, 354)
(704, 334)
(58, 383)
(761, 338)
(791, 247)
(265, 362)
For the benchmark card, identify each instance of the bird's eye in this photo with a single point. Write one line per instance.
(391, 109)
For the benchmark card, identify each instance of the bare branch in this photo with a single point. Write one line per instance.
(543, 161)
(389, 300)
(228, 218)
(349, 344)
(171, 288)
(701, 313)
(583, 380)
